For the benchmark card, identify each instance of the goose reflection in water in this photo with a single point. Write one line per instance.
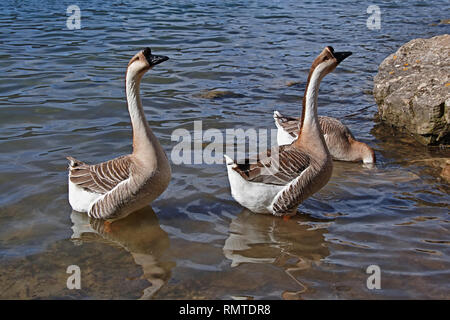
(295, 245)
(140, 234)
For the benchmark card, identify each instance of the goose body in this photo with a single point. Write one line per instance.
(278, 187)
(113, 189)
(340, 141)
(279, 180)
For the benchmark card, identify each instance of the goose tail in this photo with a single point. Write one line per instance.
(277, 117)
(74, 162)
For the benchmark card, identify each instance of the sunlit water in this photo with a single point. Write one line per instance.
(62, 93)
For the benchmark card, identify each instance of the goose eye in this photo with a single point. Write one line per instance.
(326, 58)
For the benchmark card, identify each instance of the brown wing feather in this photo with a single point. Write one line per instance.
(99, 178)
(294, 193)
(311, 180)
(279, 167)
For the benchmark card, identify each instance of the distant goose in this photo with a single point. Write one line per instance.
(340, 141)
(278, 183)
(113, 189)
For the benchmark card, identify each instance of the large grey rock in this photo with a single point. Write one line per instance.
(412, 89)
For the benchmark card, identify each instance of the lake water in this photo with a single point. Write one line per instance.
(62, 93)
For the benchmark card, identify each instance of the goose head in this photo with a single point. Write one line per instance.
(143, 61)
(367, 154)
(328, 60)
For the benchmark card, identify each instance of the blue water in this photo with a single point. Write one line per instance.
(62, 93)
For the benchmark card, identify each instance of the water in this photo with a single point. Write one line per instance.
(62, 93)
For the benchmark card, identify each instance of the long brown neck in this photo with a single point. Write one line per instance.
(145, 143)
(310, 133)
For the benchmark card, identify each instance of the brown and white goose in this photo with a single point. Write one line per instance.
(340, 141)
(288, 175)
(113, 189)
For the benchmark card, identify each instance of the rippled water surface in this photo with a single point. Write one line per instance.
(62, 93)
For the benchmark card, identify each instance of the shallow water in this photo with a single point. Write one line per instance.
(61, 93)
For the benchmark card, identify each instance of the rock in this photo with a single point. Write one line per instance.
(412, 89)
(292, 83)
(218, 94)
(445, 173)
(441, 22)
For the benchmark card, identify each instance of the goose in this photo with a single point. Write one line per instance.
(339, 139)
(113, 189)
(276, 183)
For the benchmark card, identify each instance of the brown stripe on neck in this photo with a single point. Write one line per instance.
(302, 120)
(126, 72)
(304, 106)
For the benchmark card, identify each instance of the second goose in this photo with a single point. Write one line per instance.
(340, 141)
(278, 183)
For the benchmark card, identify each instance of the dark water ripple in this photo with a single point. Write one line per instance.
(61, 93)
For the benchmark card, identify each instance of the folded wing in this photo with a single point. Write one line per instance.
(278, 166)
(99, 178)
